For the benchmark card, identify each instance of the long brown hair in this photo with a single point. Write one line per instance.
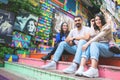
(102, 18)
(62, 32)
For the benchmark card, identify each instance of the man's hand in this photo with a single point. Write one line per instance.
(70, 43)
(68, 40)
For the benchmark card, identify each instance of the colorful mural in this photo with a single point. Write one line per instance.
(25, 22)
(6, 26)
(59, 2)
(61, 17)
(20, 40)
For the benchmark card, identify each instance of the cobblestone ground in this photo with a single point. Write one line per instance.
(5, 75)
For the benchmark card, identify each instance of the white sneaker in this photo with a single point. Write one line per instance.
(49, 66)
(92, 73)
(71, 69)
(80, 71)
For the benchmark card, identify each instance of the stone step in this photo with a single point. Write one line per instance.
(8, 75)
(105, 71)
(113, 61)
(38, 74)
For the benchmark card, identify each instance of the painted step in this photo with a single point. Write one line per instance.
(113, 61)
(1, 64)
(105, 71)
(38, 74)
(38, 63)
(7, 75)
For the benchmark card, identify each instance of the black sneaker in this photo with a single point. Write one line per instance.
(47, 57)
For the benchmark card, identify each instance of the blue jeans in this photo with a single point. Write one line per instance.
(97, 49)
(76, 49)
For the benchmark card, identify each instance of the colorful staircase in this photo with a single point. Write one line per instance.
(31, 68)
(35, 73)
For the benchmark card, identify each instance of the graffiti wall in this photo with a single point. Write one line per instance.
(20, 40)
(6, 26)
(25, 22)
(61, 17)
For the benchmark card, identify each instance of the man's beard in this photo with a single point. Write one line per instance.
(78, 25)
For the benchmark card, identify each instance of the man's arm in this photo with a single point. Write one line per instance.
(85, 37)
(68, 39)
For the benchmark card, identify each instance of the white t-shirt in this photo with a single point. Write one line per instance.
(76, 33)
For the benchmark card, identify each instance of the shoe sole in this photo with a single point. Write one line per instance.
(49, 68)
(68, 72)
(78, 75)
(87, 76)
(45, 59)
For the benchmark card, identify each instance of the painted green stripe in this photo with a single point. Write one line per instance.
(35, 72)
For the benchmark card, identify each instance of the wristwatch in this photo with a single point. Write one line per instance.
(73, 41)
